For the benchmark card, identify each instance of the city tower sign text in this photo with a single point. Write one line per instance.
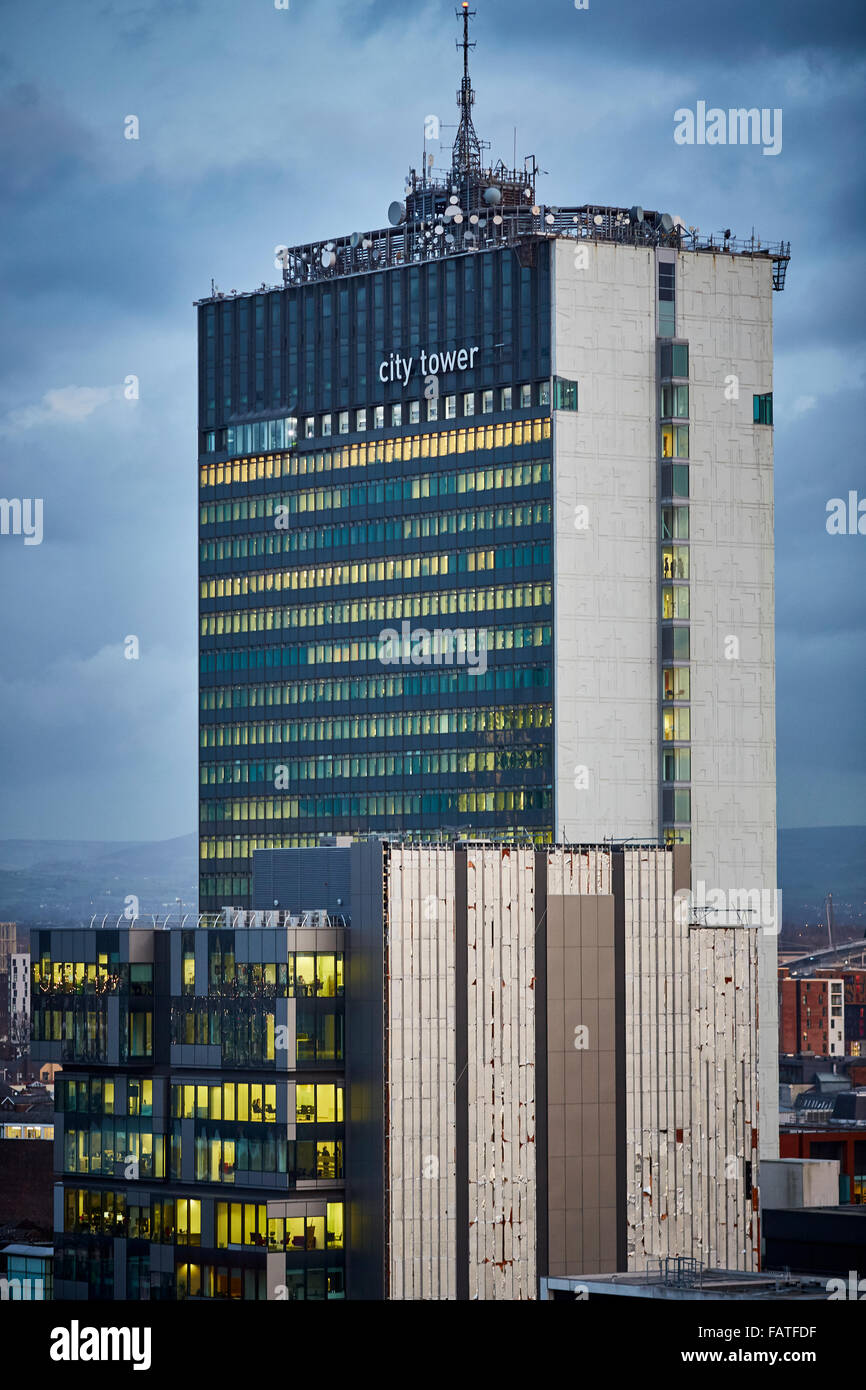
(397, 368)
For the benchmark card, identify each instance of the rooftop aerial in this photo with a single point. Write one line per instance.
(475, 207)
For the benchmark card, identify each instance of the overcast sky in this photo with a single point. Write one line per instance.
(261, 126)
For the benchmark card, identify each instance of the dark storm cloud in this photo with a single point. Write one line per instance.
(259, 127)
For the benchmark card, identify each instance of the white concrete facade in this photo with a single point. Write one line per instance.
(607, 578)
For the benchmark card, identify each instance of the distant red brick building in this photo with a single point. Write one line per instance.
(811, 1015)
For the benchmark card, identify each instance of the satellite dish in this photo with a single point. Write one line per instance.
(636, 213)
(598, 219)
(458, 217)
(328, 259)
(438, 229)
(397, 213)
(550, 219)
(527, 192)
(473, 218)
(453, 198)
(366, 243)
(536, 211)
(450, 238)
(666, 222)
(355, 240)
(497, 220)
(492, 196)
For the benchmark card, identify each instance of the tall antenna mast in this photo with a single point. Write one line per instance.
(466, 158)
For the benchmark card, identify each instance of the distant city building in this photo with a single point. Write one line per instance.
(19, 1002)
(811, 1015)
(26, 1273)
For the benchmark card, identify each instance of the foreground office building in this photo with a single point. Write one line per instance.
(550, 1066)
(199, 1128)
(486, 548)
(448, 1072)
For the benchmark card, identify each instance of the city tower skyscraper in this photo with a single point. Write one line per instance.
(486, 540)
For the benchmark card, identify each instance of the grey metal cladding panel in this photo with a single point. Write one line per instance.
(300, 880)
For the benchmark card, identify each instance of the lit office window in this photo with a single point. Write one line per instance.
(675, 601)
(310, 427)
(675, 562)
(677, 683)
(677, 724)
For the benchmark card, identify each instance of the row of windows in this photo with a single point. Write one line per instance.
(242, 585)
(417, 487)
(410, 724)
(106, 975)
(398, 569)
(303, 975)
(340, 653)
(81, 1029)
(93, 1095)
(247, 1223)
(97, 1147)
(419, 527)
(431, 444)
(674, 559)
(246, 1031)
(445, 803)
(328, 768)
(503, 398)
(379, 608)
(230, 1158)
(376, 688)
(195, 1280)
(163, 1220)
(253, 1102)
(244, 1102)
